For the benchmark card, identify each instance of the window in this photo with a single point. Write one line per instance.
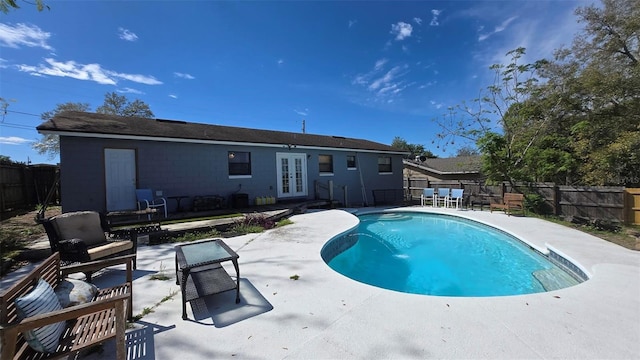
(384, 164)
(351, 161)
(239, 163)
(325, 163)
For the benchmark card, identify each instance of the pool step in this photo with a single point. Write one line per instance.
(554, 279)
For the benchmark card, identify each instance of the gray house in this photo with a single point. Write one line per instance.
(104, 158)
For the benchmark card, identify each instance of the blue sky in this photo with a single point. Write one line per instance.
(363, 69)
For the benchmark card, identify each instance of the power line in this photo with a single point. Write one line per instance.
(18, 126)
(21, 113)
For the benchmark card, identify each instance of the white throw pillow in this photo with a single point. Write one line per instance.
(71, 292)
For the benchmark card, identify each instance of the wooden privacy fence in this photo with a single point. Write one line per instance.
(594, 202)
(24, 186)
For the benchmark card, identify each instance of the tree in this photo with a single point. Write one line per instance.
(414, 149)
(573, 119)
(115, 104)
(601, 72)
(467, 151)
(500, 120)
(6, 5)
(50, 144)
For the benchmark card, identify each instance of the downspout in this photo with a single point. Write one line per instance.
(362, 188)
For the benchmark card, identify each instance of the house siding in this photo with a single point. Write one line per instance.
(194, 169)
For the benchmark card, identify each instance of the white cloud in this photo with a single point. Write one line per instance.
(380, 64)
(304, 112)
(89, 72)
(3, 63)
(401, 30)
(385, 79)
(352, 23)
(417, 20)
(13, 140)
(383, 84)
(434, 18)
(127, 35)
(497, 29)
(23, 35)
(128, 90)
(183, 75)
(173, 96)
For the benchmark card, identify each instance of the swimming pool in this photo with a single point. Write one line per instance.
(435, 254)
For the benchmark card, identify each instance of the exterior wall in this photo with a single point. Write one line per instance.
(202, 169)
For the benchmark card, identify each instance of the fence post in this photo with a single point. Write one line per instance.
(556, 199)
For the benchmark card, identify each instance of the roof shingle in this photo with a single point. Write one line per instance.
(70, 123)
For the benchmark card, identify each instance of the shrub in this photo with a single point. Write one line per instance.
(253, 223)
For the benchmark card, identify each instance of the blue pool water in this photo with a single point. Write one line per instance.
(441, 255)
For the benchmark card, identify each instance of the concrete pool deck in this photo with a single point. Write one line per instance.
(324, 315)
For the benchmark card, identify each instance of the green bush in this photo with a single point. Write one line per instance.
(536, 204)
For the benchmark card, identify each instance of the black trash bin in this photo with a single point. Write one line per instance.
(239, 200)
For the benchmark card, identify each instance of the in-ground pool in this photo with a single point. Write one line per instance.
(435, 254)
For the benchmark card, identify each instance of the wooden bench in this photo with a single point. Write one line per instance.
(510, 202)
(86, 325)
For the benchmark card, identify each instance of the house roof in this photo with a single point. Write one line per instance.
(83, 124)
(454, 165)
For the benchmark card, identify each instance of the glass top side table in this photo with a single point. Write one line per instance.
(199, 271)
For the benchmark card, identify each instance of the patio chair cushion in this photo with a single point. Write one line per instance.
(108, 249)
(84, 225)
(71, 292)
(41, 300)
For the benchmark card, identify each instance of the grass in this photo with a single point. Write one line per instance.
(161, 275)
(195, 235)
(148, 310)
(628, 237)
(283, 222)
(225, 216)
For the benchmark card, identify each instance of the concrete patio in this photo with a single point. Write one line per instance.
(324, 315)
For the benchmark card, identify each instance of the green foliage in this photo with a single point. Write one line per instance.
(413, 149)
(6, 5)
(574, 119)
(536, 204)
(148, 310)
(253, 223)
(11, 242)
(195, 235)
(161, 274)
(284, 222)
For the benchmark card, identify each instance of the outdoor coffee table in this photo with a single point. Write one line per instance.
(199, 273)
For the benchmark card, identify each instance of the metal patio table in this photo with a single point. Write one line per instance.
(199, 271)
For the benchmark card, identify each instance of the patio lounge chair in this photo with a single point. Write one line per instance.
(82, 236)
(442, 196)
(146, 200)
(455, 198)
(428, 196)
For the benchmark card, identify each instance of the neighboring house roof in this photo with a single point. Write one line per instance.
(84, 124)
(454, 165)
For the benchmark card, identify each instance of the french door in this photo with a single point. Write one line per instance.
(292, 174)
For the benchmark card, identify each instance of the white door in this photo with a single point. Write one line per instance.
(120, 179)
(292, 174)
